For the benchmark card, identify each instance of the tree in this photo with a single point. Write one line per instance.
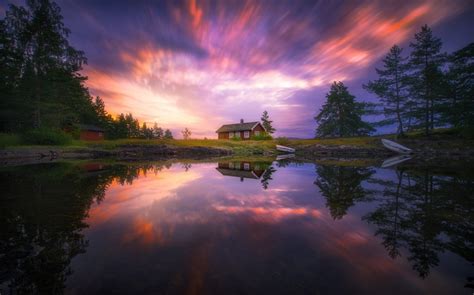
(157, 131)
(426, 78)
(146, 132)
(41, 82)
(186, 133)
(341, 115)
(459, 110)
(267, 123)
(391, 87)
(168, 134)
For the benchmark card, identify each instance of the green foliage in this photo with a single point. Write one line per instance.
(282, 140)
(262, 136)
(43, 85)
(267, 123)
(427, 84)
(168, 134)
(392, 89)
(236, 138)
(45, 136)
(186, 133)
(341, 115)
(9, 140)
(458, 110)
(431, 90)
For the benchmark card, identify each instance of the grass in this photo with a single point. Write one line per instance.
(9, 140)
(247, 147)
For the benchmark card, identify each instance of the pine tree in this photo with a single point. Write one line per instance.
(157, 131)
(168, 134)
(391, 87)
(426, 78)
(186, 133)
(267, 123)
(41, 82)
(459, 110)
(341, 115)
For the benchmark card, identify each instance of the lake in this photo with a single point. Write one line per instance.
(238, 226)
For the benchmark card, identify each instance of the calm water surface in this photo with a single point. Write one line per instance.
(236, 227)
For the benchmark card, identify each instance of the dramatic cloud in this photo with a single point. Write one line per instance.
(200, 64)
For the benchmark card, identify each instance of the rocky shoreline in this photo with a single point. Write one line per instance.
(123, 153)
(31, 155)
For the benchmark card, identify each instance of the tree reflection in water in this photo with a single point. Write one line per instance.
(419, 213)
(342, 187)
(42, 213)
(420, 210)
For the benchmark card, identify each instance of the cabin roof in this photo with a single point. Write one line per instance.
(238, 127)
(87, 127)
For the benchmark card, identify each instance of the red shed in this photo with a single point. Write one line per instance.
(91, 132)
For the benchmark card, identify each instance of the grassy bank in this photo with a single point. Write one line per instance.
(443, 138)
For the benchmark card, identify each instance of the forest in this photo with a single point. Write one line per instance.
(42, 90)
(424, 90)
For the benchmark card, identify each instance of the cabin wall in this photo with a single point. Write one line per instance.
(91, 135)
(223, 135)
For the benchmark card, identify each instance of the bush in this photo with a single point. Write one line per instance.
(9, 140)
(282, 140)
(44, 136)
(263, 136)
(236, 138)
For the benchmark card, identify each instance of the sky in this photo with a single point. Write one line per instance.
(201, 64)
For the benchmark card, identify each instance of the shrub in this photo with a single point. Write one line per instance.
(262, 136)
(45, 136)
(282, 140)
(9, 139)
(236, 138)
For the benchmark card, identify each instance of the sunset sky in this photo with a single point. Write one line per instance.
(201, 64)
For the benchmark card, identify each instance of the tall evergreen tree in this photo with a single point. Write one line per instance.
(391, 88)
(459, 110)
(41, 81)
(157, 131)
(341, 115)
(168, 134)
(186, 133)
(267, 123)
(426, 77)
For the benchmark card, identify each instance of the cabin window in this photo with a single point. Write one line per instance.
(257, 133)
(246, 166)
(246, 134)
(231, 134)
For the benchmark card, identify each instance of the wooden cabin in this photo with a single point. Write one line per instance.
(243, 130)
(91, 133)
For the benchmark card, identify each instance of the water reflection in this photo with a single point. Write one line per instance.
(426, 213)
(192, 228)
(342, 187)
(248, 169)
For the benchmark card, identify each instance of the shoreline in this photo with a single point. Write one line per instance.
(143, 151)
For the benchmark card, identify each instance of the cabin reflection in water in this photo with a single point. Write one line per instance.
(244, 169)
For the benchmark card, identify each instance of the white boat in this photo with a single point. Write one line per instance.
(286, 149)
(398, 148)
(285, 157)
(395, 161)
